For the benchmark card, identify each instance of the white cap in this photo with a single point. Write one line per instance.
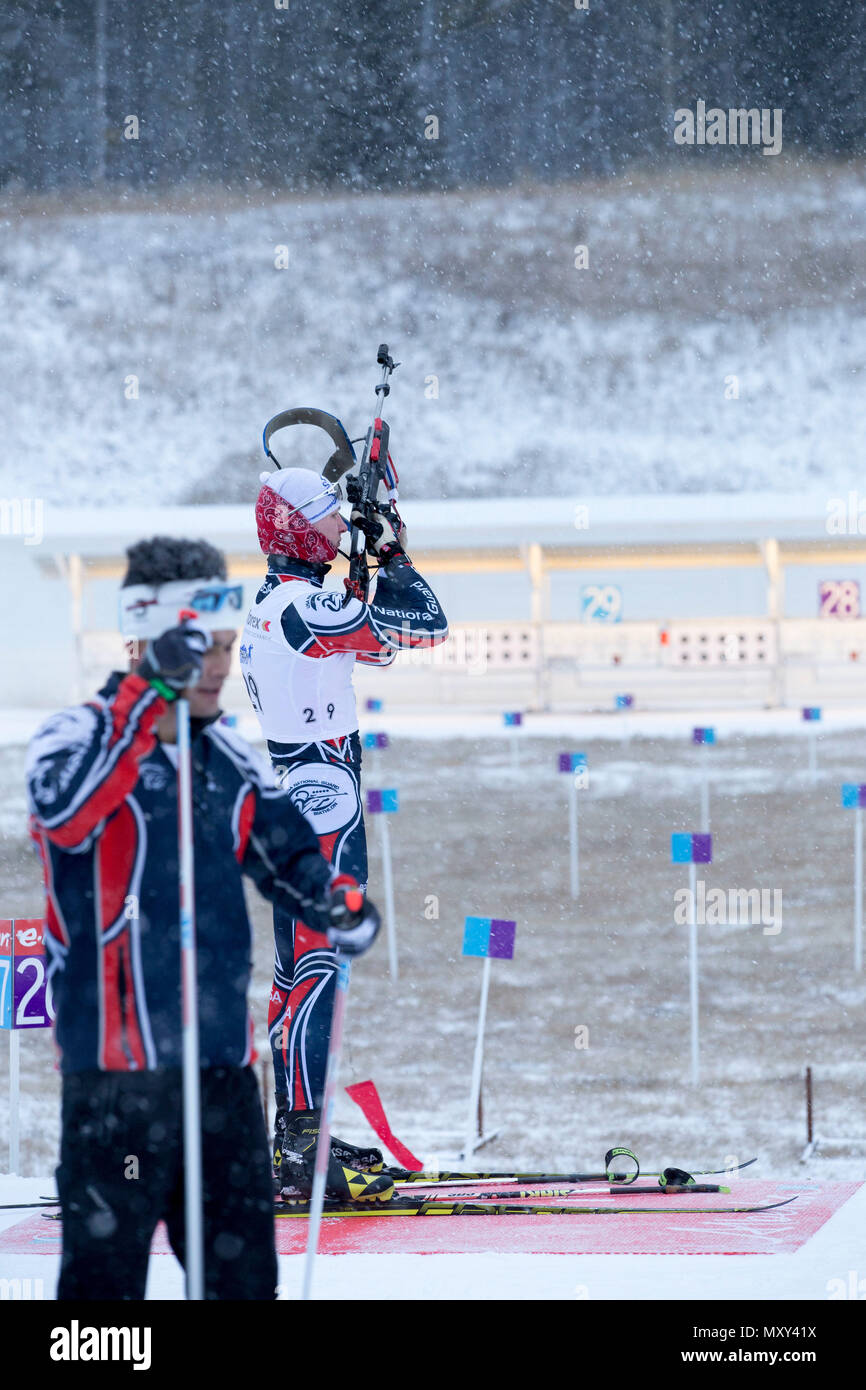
(303, 491)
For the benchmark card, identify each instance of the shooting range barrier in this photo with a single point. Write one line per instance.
(683, 602)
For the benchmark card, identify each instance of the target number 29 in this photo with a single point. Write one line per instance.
(601, 603)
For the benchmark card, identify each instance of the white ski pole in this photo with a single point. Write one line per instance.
(388, 877)
(14, 1097)
(189, 994)
(477, 1067)
(323, 1146)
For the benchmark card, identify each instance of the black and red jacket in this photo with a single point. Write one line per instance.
(103, 798)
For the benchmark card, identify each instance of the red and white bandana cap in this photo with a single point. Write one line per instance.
(290, 502)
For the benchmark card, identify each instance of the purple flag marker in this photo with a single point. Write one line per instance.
(691, 849)
(702, 849)
(502, 936)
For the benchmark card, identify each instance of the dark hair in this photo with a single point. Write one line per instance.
(164, 558)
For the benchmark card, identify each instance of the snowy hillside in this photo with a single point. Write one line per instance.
(551, 379)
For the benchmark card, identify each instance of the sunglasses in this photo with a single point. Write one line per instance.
(216, 598)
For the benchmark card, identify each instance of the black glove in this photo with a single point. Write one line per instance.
(172, 661)
(354, 920)
(383, 531)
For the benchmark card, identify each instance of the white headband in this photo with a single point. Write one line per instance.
(146, 610)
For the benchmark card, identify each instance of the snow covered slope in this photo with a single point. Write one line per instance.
(551, 379)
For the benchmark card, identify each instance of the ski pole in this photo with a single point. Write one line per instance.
(189, 992)
(323, 1146)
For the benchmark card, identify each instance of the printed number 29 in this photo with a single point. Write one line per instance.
(310, 714)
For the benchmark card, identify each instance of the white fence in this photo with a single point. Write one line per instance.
(564, 666)
(526, 572)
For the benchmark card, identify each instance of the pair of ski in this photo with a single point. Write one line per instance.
(491, 1203)
(496, 1203)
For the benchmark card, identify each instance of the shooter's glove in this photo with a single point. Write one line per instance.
(355, 922)
(383, 531)
(172, 662)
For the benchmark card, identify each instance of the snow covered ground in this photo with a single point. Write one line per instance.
(483, 834)
(146, 344)
(478, 835)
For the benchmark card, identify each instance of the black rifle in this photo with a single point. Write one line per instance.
(362, 490)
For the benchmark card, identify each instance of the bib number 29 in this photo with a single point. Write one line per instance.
(310, 714)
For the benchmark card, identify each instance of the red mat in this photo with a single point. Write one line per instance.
(781, 1231)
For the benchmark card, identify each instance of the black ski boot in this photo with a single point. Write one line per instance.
(366, 1160)
(343, 1182)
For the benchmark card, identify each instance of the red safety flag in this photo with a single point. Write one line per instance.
(365, 1095)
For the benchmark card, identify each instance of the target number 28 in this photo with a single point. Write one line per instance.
(839, 598)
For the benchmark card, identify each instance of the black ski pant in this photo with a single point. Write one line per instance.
(121, 1172)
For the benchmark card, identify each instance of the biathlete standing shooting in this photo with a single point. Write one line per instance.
(299, 649)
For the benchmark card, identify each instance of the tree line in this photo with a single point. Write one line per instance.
(392, 94)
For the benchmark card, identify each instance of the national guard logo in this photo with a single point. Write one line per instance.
(327, 796)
